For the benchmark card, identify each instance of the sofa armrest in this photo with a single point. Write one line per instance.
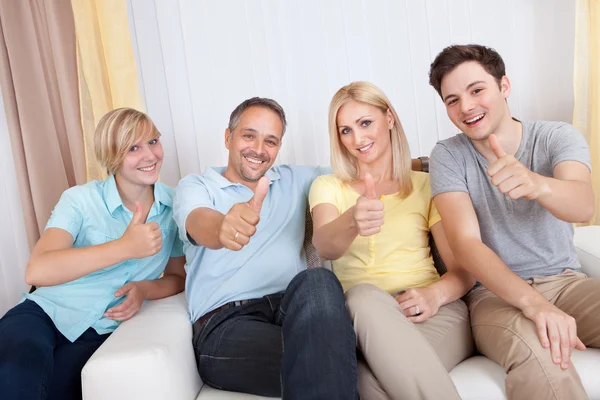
(587, 243)
(148, 357)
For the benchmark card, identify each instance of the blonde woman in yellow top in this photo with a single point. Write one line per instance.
(372, 218)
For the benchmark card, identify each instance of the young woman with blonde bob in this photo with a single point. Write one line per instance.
(373, 218)
(100, 256)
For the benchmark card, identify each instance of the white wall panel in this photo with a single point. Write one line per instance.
(200, 58)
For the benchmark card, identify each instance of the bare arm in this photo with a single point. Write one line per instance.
(456, 281)
(332, 233)
(172, 281)
(568, 195)
(203, 225)
(54, 261)
(556, 330)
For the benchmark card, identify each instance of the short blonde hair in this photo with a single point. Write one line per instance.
(117, 132)
(344, 165)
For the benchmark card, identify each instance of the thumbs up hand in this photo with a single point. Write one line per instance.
(368, 211)
(239, 224)
(141, 239)
(511, 177)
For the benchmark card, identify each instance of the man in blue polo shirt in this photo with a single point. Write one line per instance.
(247, 286)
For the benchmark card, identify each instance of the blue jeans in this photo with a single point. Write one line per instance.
(299, 344)
(36, 360)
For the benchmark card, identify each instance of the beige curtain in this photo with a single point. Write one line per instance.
(107, 70)
(38, 78)
(586, 115)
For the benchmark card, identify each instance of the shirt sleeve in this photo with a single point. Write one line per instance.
(446, 173)
(323, 190)
(433, 215)
(568, 144)
(308, 174)
(67, 214)
(177, 249)
(191, 193)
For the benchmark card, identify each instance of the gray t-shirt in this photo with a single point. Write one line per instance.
(526, 236)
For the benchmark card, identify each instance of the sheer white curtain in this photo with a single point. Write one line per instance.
(198, 59)
(14, 251)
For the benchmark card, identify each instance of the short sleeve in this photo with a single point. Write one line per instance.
(323, 190)
(568, 144)
(434, 216)
(309, 174)
(68, 214)
(177, 250)
(446, 173)
(191, 193)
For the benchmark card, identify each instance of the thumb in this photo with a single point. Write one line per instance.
(370, 187)
(496, 146)
(262, 188)
(124, 289)
(138, 215)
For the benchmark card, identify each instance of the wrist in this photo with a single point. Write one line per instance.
(122, 249)
(542, 186)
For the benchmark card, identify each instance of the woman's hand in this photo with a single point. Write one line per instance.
(368, 211)
(128, 308)
(419, 304)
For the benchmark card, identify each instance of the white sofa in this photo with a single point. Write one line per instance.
(151, 357)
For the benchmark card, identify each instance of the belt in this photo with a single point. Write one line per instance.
(199, 324)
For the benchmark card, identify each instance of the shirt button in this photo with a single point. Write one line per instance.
(126, 273)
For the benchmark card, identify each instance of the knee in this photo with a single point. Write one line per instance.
(360, 299)
(318, 284)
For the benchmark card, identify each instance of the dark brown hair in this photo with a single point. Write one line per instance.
(452, 56)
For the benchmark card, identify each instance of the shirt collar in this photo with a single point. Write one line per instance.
(113, 199)
(215, 174)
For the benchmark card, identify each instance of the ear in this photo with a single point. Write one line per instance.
(227, 138)
(390, 118)
(505, 86)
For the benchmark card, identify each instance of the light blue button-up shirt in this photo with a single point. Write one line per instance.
(275, 253)
(94, 214)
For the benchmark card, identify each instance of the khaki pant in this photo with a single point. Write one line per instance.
(406, 360)
(503, 334)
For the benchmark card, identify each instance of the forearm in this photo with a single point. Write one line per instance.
(166, 286)
(61, 266)
(333, 239)
(453, 285)
(203, 225)
(485, 266)
(568, 200)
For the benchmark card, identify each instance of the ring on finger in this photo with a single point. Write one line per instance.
(235, 238)
(417, 310)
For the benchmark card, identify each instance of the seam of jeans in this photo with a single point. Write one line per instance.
(44, 380)
(530, 348)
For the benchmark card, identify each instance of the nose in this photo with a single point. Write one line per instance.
(258, 146)
(147, 153)
(466, 105)
(358, 136)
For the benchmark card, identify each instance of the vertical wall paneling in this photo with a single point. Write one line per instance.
(198, 59)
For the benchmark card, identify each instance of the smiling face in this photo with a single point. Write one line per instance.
(364, 130)
(253, 144)
(474, 101)
(142, 162)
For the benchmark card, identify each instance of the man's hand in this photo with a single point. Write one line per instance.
(131, 305)
(556, 330)
(140, 239)
(513, 178)
(426, 299)
(239, 224)
(368, 211)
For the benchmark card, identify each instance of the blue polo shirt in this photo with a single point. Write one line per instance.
(93, 214)
(275, 253)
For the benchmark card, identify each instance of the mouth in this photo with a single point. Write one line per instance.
(254, 161)
(474, 120)
(365, 149)
(150, 168)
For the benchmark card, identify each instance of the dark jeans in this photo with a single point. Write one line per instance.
(36, 360)
(299, 344)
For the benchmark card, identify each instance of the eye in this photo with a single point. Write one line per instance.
(477, 90)
(271, 143)
(248, 136)
(451, 102)
(365, 123)
(344, 131)
(153, 141)
(134, 148)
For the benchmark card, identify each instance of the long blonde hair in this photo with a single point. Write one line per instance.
(344, 165)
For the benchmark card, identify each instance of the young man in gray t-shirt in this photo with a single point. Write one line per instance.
(508, 191)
